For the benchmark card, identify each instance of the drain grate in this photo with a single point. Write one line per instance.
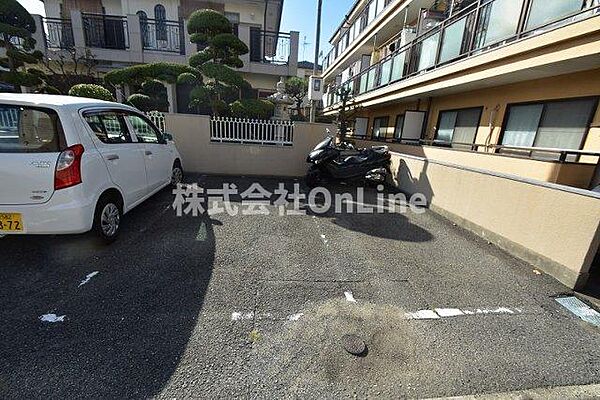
(580, 309)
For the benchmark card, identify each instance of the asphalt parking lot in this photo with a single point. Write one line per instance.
(257, 305)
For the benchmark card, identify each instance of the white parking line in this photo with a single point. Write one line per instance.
(52, 318)
(438, 313)
(88, 277)
(349, 296)
(295, 317)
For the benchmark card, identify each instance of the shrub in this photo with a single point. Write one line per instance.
(252, 108)
(208, 22)
(137, 74)
(91, 91)
(141, 101)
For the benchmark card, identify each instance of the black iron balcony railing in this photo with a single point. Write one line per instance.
(105, 31)
(162, 35)
(59, 33)
(269, 47)
(481, 27)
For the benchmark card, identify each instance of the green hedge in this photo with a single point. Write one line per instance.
(91, 91)
(252, 108)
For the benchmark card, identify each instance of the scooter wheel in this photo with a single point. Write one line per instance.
(313, 178)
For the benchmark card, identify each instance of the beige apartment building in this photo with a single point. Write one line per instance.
(508, 86)
(121, 33)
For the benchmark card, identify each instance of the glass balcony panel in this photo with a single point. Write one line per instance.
(398, 67)
(363, 83)
(428, 52)
(371, 12)
(453, 40)
(498, 20)
(372, 79)
(386, 70)
(380, 6)
(544, 11)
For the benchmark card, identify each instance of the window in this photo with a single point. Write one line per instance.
(234, 19)
(554, 124)
(160, 15)
(458, 126)
(29, 130)
(360, 126)
(399, 126)
(144, 131)
(380, 127)
(144, 27)
(110, 128)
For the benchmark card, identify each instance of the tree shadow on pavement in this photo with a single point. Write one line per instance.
(126, 328)
(392, 223)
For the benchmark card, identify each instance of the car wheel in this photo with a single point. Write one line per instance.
(176, 174)
(107, 218)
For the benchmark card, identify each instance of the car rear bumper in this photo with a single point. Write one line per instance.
(66, 212)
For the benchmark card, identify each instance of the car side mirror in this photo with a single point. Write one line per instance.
(168, 137)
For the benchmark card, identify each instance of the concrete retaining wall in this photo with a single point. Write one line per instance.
(556, 228)
(199, 154)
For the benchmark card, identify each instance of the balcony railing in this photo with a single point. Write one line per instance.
(485, 25)
(162, 35)
(365, 19)
(59, 33)
(269, 47)
(105, 31)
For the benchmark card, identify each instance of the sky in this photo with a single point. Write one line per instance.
(301, 15)
(298, 15)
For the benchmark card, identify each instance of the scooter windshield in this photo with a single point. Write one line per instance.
(324, 144)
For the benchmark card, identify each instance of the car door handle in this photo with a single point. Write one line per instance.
(148, 153)
(112, 157)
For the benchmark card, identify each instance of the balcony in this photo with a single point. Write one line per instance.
(482, 27)
(269, 47)
(133, 39)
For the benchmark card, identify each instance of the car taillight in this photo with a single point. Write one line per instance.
(68, 167)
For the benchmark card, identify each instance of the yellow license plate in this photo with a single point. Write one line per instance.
(11, 222)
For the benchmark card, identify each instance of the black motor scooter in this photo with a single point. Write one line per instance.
(343, 162)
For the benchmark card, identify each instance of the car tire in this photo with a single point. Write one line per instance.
(176, 174)
(107, 218)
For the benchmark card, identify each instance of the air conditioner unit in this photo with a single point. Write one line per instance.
(430, 19)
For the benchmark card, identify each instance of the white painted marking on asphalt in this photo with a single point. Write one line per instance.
(349, 297)
(88, 277)
(448, 312)
(580, 309)
(52, 318)
(202, 234)
(238, 316)
(295, 317)
(422, 314)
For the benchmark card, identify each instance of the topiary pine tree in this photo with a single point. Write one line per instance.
(16, 29)
(211, 70)
(297, 89)
(220, 54)
(152, 97)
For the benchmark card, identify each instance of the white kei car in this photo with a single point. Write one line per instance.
(71, 164)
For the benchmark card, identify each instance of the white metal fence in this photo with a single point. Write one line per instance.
(157, 119)
(249, 131)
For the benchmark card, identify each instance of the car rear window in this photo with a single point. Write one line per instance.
(25, 129)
